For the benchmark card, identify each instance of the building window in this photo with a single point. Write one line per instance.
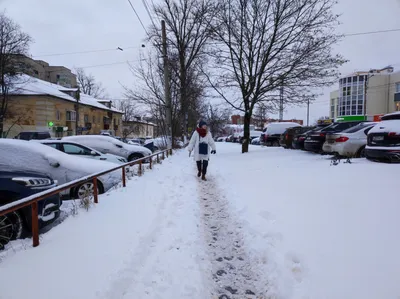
(86, 118)
(71, 115)
(36, 72)
(397, 87)
(58, 115)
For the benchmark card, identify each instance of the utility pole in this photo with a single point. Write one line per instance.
(167, 88)
(308, 112)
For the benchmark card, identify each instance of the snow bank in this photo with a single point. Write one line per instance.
(318, 231)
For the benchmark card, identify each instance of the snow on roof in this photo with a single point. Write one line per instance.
(27, 85)
(91, 101)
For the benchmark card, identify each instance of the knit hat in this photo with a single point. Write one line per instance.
(202, 123)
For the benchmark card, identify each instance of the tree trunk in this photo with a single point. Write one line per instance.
(1, 127)
(246, 133)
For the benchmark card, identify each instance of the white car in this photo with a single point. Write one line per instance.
(350, 142)
(384, 139)
(73, 148)
(272, 132)
(110, 145)
(21, 155)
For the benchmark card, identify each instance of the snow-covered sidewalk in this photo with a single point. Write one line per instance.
(272, 223)
(138, 242)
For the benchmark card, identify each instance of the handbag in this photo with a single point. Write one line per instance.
(203, 148)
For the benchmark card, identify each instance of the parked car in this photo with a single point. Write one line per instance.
(383, 141)
(29, 135)
(21, 155)
(286, 138)
(221, 139)
(272, 132)
(350, 142)
(110, 145)
(256, 141)
(73, 148)
(316, 139)
(298, 140)
(15, 185)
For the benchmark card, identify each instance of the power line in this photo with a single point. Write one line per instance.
(372, 32)
(84, 52)
(137, 15)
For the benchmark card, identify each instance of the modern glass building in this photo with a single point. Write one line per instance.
(352, 95)
(366, 95)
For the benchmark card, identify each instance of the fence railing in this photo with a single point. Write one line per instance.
(33, 199)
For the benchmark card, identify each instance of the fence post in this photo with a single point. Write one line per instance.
(158, 158)
(140, 167)
(95, 193)
(167, 153)
(151, 163)
(35, 224)
(163, 155)
(123, 177)
(170, 151)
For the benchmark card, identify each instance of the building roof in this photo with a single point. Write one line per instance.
(140, 122)
(27, 85)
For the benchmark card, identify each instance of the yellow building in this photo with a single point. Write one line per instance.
(37, 105)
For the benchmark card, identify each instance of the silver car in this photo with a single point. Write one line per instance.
(79, 150)
(349, 143)
(110, 145)
(21, 155)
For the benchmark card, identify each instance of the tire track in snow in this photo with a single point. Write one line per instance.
(233, 273)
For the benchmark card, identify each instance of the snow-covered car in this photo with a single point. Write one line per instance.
(256, 141)
(21, 155)
(73, 148)
(110, 145)
(161, 143)
(384, 139)
(272, 132)
(350, 142)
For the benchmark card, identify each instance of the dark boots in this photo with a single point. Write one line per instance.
(202, 169)
(204, 172)
(198, 168)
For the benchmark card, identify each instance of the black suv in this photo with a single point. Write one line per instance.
(16, 185)
(316, 138)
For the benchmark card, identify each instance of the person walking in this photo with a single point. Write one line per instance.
(201, 142)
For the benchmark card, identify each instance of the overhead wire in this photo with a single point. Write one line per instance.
(212, 43)
(137, 15)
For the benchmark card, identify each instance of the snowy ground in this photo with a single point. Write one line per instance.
(274, 223)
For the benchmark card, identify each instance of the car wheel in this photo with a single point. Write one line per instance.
(361, 153)
(134, 157)
(11, 228)
(275, 143)
(155, 149)
(86, 189)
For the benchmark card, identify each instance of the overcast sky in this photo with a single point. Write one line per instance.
(84, 25)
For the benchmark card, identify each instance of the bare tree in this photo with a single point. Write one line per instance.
(13, 45)
(88, 84)
(217, 117)
(188, 25)
(260, 114)
(129, 107)
(271, 48)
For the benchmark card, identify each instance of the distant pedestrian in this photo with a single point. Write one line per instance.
(201, 142)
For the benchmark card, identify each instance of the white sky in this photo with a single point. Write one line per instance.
(76, 25)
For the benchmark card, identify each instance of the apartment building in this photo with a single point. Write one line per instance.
(366, 95)
(37, 105)
(54, 74)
